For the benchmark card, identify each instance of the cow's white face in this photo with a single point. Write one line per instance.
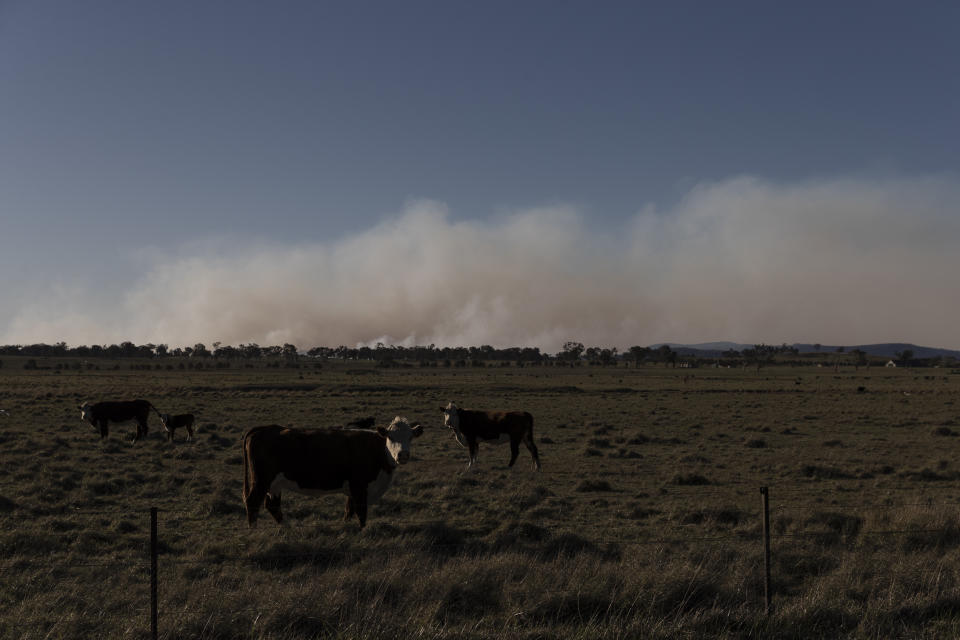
(451, 417)
(451, 420)
(399, 435)
(85, 412)
(164, 419)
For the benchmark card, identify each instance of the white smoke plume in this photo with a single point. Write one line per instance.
(851, 261)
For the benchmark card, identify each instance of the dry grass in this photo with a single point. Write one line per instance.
(644, 523)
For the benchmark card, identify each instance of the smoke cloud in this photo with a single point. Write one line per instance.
(851, 261)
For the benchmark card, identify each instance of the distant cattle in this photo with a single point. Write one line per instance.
(471, 427)
(102, 414)
(358, 463)
(172, 423)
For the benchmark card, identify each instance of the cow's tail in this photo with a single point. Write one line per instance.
(246, 465)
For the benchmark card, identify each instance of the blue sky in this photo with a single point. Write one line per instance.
(139, 140)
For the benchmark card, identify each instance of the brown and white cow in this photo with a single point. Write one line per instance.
(358, 463)
(172, 423)
(471, 427)
(102, 414)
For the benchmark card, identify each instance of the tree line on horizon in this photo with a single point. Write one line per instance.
(287, 351)
(573, 352)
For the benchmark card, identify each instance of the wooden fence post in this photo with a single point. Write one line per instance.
(767, 592)
(153, 573)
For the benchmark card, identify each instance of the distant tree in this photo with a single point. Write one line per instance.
(273, 351)
(530, 354)
(666, 355)
(289, 351)
(607, 356)
(905, 356)
(760, 355)
(226, 352)
(200, 351)
(571, 351)
(639, 354)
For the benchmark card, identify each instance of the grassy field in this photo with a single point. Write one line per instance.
(645, 521)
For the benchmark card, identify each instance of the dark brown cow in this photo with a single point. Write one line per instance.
(358, 463)
(172, 423)
(102, 414)
(491, 427)
(362, 423)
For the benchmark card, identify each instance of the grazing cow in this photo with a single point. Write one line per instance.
(358, 463)
(365, 424)
(362, 423)
(102, 414)
(493, 427)
(172, 423)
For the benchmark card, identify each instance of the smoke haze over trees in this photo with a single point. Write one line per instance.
(847, 261)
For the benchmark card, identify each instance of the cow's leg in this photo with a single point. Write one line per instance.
(348, 509)
(528, 440)
(141, 429)
(514, 449)
(273, 506)
(358, 495)
(104, 428)
(253, 500)
(189, 432)
(474, 451)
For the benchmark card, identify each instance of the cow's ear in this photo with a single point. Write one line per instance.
(417, 430)
(382, 431)
(442, 409)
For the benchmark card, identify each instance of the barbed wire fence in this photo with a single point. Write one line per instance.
(146, 565)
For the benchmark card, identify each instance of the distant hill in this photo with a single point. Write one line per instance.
(885, 350)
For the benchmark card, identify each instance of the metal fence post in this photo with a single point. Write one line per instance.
(767, 592)
(153, 573)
